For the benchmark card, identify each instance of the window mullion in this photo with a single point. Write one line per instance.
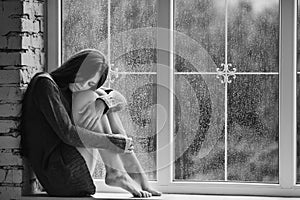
(287, 133)
(53, 33)
(164, 119)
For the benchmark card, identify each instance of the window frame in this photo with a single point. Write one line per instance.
(287, 185)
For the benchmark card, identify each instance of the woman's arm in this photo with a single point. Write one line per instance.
(113, 99)
(49, 101)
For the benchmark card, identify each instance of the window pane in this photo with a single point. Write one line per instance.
(253, 121)
(253, 35)
(243, 145)
(199, 138)
(133, 32)
(84, 25)
(199, 31)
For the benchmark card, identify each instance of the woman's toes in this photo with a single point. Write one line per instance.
(156, 193)
(137, 194)
(145, 194)
(153, 192)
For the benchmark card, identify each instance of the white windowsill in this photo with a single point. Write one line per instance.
(124, 196)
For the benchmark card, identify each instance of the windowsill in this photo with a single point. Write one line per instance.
(124, 196)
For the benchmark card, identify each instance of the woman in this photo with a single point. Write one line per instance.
(56, 147)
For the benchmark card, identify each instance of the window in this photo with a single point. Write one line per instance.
(209, 83)
(232, 80)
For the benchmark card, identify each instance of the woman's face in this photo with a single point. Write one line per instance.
(85, 85)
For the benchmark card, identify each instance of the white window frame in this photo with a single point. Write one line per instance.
(287, 110)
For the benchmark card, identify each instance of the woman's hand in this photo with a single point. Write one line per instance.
(114, 99)
(118, 101)
(129, 145)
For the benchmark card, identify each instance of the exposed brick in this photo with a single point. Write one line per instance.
(28, 8)
(34, 40)
(27, 73)
(30, 25)
(10, 110)
(11, 176)
(9, 76)
(31, 58)
(3, 42)
(24, 57)
(10, 158)
(8, 126)
(33, 8)
(13, 42)
(38, 8)
(9, 142)
(10, 58)
(22, 40)
(21, 56)
(10, 7)
(9, 94)
(10, 24)
(40, 20)
(8, 193)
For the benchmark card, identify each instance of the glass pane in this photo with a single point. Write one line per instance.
(84, 25)
(139, 118)
(133, 35)
(253, 35)
(253, 121)
(199, 33)
(199, 128)
(225, 105)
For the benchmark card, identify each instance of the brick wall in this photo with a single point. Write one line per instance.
(21, 56)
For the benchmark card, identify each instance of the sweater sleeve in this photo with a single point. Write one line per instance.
(47, 98)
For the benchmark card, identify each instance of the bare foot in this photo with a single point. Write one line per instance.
(152, 191)
(146, 194)
(122, 180)
(141, 179)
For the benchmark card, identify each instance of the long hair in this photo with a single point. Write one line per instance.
(81, 66)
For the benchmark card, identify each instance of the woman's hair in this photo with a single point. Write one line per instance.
(81, 67)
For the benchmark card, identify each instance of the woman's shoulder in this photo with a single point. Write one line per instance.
(40, 84)
(43, 76)
(43, 79)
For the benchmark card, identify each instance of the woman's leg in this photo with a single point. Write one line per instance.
(116, 175)
(130, 161)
